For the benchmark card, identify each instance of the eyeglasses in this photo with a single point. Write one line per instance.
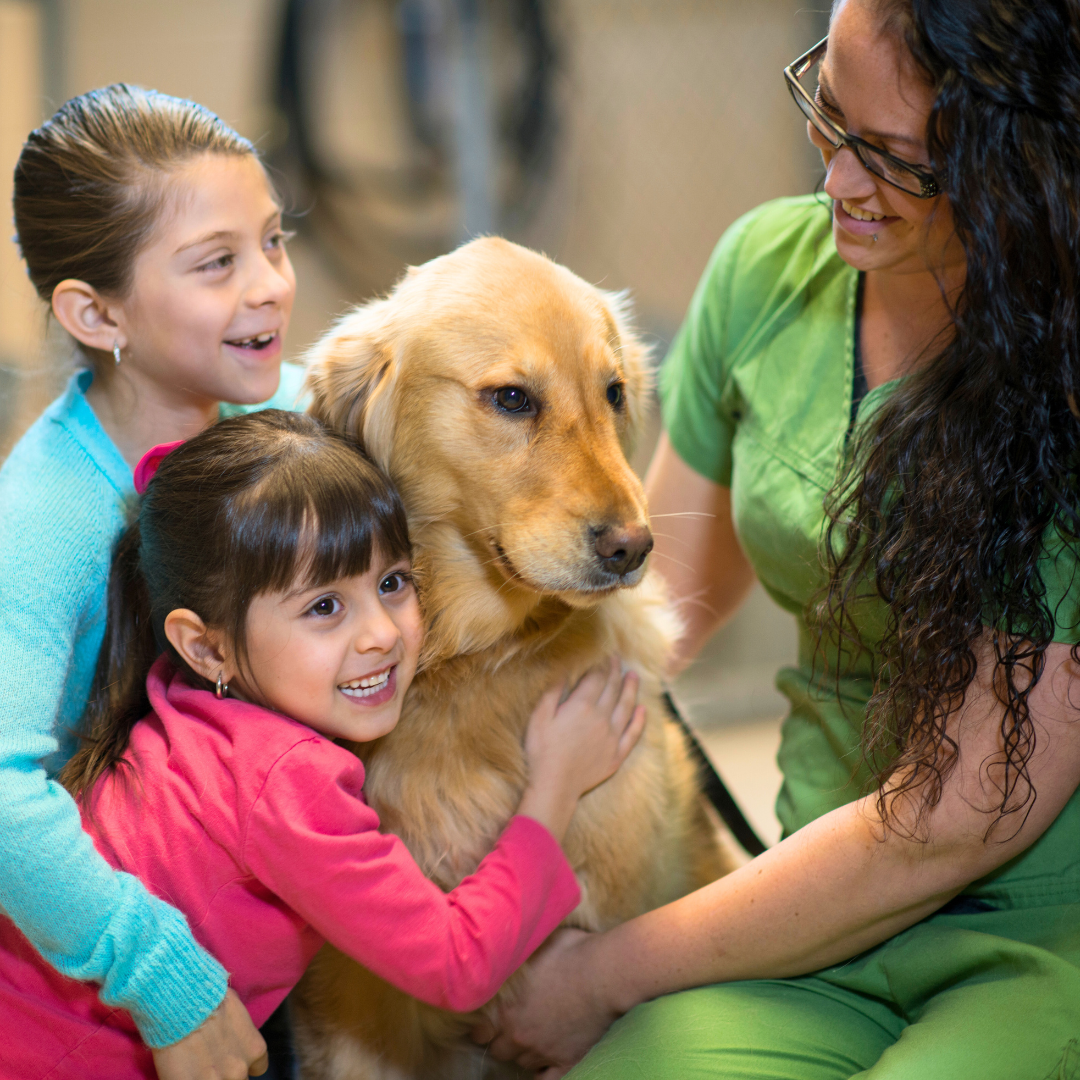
(901, 174)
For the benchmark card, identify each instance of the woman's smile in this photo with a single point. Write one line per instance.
(859, 222)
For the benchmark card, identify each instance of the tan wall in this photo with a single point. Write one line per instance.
(679, 121)
(23, 389)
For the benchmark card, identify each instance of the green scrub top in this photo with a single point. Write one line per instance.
(757, 396)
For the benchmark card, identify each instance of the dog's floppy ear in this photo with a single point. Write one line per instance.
(349, 369)
(634, 356)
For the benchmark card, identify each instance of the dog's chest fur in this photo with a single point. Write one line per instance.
(451, 774)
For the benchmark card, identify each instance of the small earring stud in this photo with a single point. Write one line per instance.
(116, 350)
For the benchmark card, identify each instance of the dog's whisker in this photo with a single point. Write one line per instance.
(693, 601)
(476, 532)
(684, 513)
(662, 555)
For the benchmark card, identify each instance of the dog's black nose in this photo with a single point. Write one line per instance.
(622, 549)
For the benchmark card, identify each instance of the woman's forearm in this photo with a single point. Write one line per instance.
(845, 883)
(826, 893)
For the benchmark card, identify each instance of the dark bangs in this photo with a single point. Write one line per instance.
(256, 504)
(316, 518)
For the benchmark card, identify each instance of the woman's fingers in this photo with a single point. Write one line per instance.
(530, 1062)
(503, 1048)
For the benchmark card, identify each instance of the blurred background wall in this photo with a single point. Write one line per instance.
(619, 136)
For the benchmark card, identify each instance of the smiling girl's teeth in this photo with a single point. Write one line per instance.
(860, 215)
(367, 686)
(258, 339)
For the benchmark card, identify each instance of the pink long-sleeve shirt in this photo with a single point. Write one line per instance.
(255, 826)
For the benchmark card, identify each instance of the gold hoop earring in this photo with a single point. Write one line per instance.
(222, 687)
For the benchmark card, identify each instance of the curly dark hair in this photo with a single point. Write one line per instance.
(967, 476)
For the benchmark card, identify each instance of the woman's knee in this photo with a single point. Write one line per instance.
(761, 1030)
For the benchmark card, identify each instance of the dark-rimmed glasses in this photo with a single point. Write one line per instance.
(901, 174)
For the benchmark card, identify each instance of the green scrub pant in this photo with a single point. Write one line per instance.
(992, 995)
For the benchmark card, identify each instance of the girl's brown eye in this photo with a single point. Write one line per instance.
(393, 583)
(325, 606)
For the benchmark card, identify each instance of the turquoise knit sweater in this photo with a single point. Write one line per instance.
(63, 496)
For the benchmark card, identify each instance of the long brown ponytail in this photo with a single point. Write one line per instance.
(118, 697)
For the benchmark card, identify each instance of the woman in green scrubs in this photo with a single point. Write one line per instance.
(872, 407)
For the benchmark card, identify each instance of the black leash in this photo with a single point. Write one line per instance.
(715, 790)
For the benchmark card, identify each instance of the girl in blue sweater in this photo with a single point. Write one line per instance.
(150, 228)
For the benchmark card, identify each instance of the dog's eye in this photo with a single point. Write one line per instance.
(615, 395)
(512, 399)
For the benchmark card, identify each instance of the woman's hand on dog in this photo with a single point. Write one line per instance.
(227, 1046)
(574, 746)
(554, 1015)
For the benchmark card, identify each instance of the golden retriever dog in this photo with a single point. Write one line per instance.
(501, 392)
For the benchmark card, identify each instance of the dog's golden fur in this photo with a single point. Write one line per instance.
(504, 511)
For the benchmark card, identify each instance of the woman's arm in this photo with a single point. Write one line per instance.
(837, 887)
(697, 552)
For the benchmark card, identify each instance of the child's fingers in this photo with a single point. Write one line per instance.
(612, 686)
(550, 698)
(590, 686)
(629, 738)
(548, 705)
(623, 708)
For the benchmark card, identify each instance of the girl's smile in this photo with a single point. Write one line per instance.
(372, 689)
(214, 288)
(204, 318)
(266, 346)
(338, 656)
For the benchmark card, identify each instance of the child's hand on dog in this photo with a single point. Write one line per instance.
(574, 746)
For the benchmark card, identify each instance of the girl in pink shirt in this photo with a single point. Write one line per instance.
(260, 609)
